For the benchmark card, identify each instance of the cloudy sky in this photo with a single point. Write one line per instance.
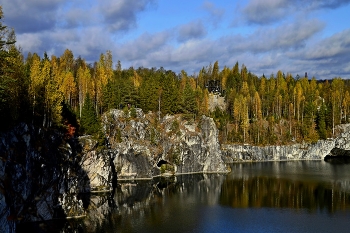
(294, 36)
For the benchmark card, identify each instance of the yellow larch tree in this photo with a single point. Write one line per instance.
(53, 95)
(69, 87)
(345, 105)
(84, 85)
(35, 81)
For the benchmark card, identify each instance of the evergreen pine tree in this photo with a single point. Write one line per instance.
(321, 122)
(88, 121)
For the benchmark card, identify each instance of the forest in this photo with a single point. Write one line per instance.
(66, 92)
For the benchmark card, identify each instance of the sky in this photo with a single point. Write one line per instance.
(294, 36)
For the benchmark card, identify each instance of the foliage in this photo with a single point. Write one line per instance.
(175, 128)
(88, 121)
(166, 167)
(133, 113)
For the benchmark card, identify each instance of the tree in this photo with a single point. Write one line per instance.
(12, 79)
(88, 121)
(299, 98)
(245, 118)
(237, 110)
(321, 122)
(215, 72)
(189, 100)
(36, 83)
(84, 85)
(69, 87)
(345, 106)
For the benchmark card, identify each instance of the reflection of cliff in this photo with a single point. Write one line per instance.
(282, 193)
(140, 203)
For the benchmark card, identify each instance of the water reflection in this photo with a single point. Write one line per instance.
(313, 185)
(283, 193)
(274, 196)
(168, 204)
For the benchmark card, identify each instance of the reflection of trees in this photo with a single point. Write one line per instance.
(281, 193)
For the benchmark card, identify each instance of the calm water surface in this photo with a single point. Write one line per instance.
(295, 196)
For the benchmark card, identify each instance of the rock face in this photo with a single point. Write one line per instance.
(216, 101)
(339, 146)
(40, 177)
(97, 166)
(316, 151)
(144, 147)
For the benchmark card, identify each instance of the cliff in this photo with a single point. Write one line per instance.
(144, 146)
(339, 146)
(40, 177)
(316, 151)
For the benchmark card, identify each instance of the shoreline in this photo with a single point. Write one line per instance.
(168, 175)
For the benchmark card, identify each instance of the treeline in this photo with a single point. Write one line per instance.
(67, 91)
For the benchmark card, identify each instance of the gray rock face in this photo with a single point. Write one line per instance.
(140, 144)
(343, 141)
(97, 166)
(234, 153)
(315, 151)
(306, 151)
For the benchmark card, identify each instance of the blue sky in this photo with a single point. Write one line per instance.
(293, 36)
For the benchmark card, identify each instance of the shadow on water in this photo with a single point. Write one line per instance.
(337, 159)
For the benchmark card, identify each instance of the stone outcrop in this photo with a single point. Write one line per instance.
(306, 151)
(216, 101)
(339, 146)
(40, 177)
(143, 148)
(97, 166)
(341, 151)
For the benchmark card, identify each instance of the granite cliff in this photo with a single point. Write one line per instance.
(144, 146)
(306, 151)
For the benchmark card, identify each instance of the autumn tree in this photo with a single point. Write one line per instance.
(346, 105)
(12, 78)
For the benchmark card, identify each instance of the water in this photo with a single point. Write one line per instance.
(295, 196)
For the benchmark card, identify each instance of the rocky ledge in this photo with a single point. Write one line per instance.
(339, 146)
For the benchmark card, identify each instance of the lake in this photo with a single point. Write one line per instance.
(290, 196)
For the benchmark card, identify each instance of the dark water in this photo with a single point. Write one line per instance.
(296, 196)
